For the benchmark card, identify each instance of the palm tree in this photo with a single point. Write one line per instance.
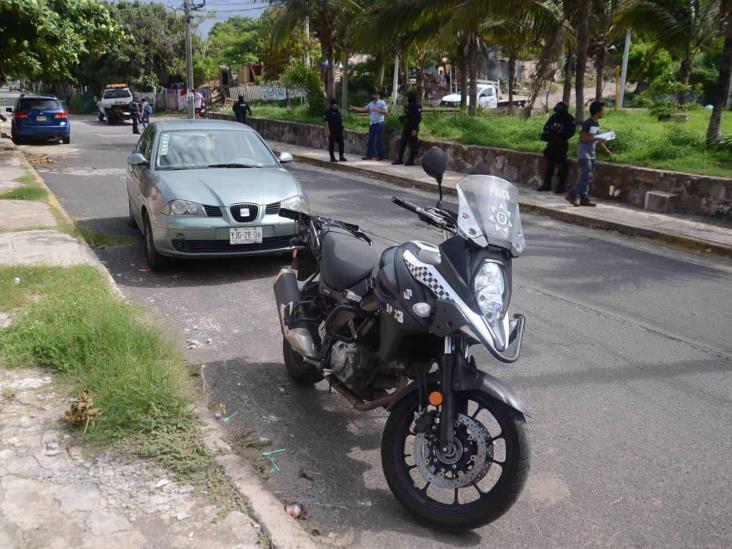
(725, 72)
(583, 36)
(680, 26)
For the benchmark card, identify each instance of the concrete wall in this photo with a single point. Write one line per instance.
(697, 194)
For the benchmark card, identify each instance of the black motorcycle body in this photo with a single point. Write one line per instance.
(395, 330)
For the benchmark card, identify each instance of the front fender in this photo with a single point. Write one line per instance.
(471, 379)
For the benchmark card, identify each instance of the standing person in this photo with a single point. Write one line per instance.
(197, 102)
(146, 112)
(241, 108)
(586, 155)
(334, 130)
(377, 110)
(410, 129)
(558, 130)
(134, 114)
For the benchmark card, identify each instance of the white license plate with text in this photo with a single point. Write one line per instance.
(41, 119)
(245, 235)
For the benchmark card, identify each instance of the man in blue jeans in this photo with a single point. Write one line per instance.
(586, 155)
(377, 110)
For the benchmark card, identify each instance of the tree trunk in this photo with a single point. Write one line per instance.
(420, 80)
(600, 69)
(567, 92)
(330, 74)
(473, 71)
(463, 75)
(544, 67)
(684, 75)
(380, 70)
(344, 80)
(511, 78)
(583, 29)
(721, 93)
(404, 69)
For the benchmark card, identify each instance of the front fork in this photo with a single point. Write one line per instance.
(447, 410)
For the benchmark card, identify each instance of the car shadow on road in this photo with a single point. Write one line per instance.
(322, 434)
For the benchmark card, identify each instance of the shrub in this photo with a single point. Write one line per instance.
(299, 76)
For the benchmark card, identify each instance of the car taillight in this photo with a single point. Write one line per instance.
(20, 115)
(63, 115)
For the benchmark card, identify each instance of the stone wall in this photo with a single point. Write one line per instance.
(698, 194)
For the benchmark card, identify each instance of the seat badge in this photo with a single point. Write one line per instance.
(407, 294)
(244, 212)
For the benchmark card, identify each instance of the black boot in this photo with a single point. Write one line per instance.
(544, 187)
(333, 158)
(343, 159)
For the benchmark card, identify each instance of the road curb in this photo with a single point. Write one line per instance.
(55, 204)
(282, 530)
(672, 239)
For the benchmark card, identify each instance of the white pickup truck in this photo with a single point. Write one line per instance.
(114, 104)
(489, 97)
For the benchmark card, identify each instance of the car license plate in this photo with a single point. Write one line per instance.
(245, 235)
(41, 118)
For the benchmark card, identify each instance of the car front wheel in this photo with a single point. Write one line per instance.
(155, 260)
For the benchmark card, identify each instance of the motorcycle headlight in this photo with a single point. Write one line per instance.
(297, 203)
(183, 207)
(489, 285)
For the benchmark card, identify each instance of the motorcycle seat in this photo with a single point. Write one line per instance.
(345, 259)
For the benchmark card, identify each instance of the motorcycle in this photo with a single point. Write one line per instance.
(397, 331)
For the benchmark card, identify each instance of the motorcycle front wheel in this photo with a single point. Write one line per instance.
(467, 485)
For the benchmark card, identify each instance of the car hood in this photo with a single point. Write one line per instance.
(226, 186)
(452, 97)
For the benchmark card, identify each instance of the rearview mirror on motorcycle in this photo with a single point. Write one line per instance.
(434, 164)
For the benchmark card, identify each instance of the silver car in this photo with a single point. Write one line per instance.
(205, 188)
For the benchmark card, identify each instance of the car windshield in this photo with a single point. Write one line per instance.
(212, 148)
(489, 213)
(39, 104)
(117, 94)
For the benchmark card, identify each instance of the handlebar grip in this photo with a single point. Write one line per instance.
(404, 204)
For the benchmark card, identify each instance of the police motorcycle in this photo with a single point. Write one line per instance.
(397, 331)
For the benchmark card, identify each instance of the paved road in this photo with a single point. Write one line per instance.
(626, 369)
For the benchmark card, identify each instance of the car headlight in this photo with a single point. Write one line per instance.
(183, 207)
(489, 285)
(297, 203)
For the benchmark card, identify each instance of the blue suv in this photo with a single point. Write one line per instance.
(39, 117)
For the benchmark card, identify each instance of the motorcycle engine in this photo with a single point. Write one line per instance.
(353, 367)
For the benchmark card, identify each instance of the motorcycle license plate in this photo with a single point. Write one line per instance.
(245, 235)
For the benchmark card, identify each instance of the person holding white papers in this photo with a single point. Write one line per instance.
(589, 137)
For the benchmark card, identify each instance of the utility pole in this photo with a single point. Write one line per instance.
(189, 59)
(395, 81)
(624, 70)
(188, 7)
(307, 41)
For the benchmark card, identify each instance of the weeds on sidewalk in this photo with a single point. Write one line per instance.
(25, 193)
(67, 319)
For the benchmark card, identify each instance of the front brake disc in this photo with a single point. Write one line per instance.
(467, 463)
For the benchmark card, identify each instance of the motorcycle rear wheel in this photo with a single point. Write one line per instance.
(301, 372)
(442, 506)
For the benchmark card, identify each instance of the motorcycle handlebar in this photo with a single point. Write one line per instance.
(423, 214)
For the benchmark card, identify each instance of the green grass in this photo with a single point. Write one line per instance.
(96, 239)
(640, 139)
(25, 193)
(72, 323)
(68, 320)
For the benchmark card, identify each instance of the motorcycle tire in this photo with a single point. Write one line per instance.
(489, 505)
(300, 371)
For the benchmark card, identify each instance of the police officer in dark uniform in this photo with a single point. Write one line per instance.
(334, 130)
(557, 132)
(241, 109)
(135, 115)
(411, 119)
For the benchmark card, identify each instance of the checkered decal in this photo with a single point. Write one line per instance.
(424, 275)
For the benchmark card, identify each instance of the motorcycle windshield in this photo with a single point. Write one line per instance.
(488, 213)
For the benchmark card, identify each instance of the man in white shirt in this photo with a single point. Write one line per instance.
(377, 110)
(197, 102)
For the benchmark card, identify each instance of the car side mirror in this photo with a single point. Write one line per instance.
(285, 158)
(136, 159)
(434, 164)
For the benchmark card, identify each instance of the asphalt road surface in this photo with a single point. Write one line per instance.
(626, 370)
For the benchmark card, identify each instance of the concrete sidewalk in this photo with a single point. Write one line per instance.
(55, 493)
(689, 232)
